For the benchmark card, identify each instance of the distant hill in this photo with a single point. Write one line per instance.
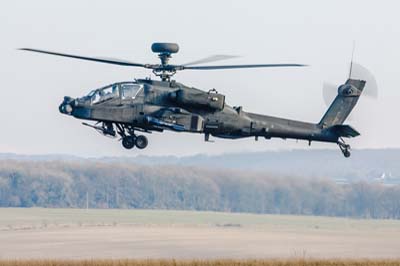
(371, 164)
(364, 164)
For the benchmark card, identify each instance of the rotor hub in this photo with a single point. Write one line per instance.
(164, 50)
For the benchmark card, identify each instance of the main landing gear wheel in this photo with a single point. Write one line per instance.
(128, 142)
(141, 142)
(345, 148)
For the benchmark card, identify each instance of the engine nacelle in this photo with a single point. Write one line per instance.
(199, 99)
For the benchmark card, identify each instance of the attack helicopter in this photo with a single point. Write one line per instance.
(145, 105)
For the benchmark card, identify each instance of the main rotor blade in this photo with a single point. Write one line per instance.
(212, 58)
(241, 66)
(95, 59)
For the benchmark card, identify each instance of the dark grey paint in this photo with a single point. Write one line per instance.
(159, 107)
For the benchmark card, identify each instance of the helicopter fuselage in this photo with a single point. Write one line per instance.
(148, 105)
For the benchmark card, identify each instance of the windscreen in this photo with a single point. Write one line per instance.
(130, 90)
(107, 93)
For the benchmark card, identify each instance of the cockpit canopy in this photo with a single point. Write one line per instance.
(122, 90)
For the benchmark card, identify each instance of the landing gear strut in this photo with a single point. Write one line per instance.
(126, 131)
(345, 148)
(130, 139)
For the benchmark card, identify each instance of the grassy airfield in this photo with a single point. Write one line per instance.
(36, 218)
(31, 236)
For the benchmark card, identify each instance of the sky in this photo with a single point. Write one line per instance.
(317, 33)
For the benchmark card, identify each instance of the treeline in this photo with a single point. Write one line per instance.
(122, 185)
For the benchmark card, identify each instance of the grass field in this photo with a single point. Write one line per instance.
(140, 234)
(31, 218)
(293, 262)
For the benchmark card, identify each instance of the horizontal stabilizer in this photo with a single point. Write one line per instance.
(344, 131)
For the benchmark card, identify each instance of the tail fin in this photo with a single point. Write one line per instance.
(339, 110)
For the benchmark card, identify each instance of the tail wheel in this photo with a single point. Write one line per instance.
(128, 142)
(345, 148)
(141, 142)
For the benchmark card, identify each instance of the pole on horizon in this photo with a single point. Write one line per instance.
(87, 200)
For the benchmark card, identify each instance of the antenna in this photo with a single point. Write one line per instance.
(352, 56)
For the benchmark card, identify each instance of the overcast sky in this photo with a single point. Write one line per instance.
(318, 33)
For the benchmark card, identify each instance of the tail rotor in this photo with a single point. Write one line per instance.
(357, 71)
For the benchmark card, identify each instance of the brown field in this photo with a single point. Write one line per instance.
(183, 235)
(293, 262)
